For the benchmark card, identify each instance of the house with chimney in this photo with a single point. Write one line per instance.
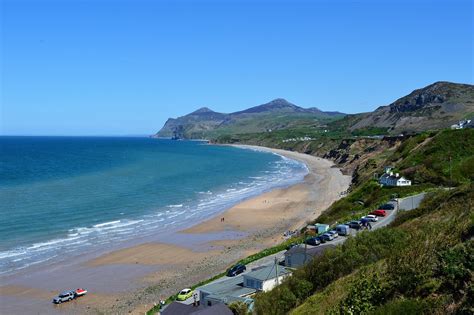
(389, 178)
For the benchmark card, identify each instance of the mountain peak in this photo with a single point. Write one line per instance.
(203, 110)
(281, 101)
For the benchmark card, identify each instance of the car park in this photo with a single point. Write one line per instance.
(314, 241)
(185, 294)
(379, 213)
(236, 270)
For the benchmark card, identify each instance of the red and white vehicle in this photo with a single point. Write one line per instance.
(80, 292)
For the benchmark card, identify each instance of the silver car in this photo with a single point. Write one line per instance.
(64, 297)
(371, 218)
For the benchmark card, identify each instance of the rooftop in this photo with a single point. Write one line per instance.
(313, 251)
(267, 272)
(177, 308)
(231, 286)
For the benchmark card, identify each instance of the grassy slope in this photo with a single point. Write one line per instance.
(258, 123)
(422, 262)
(426, 257)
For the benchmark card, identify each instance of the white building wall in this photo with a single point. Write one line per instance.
(271, 283)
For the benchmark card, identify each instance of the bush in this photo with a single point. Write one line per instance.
(364, 295)
(239, 308)
(405, 307)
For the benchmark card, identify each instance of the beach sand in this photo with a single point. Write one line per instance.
(260, 220)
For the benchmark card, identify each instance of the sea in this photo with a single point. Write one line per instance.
(61, 197)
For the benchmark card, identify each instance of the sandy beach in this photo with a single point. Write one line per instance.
(152, 271)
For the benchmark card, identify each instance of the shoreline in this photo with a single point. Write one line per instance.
(250, 226)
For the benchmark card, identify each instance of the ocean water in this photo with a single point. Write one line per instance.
(63, 196)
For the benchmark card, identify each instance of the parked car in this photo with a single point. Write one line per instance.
(327, 237)
(356, 225)
(379, 213)
(236, 270)
(321, 239)
(64, 297)
(185, 294)
(343, 229)
(371, 218)
(387, 206)
(313, 241)
(334, 233)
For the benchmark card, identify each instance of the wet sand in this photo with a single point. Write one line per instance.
(152, 271)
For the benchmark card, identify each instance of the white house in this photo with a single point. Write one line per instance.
(391, 179)
(266, 278)
(461, 124)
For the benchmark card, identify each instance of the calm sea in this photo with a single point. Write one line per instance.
(67, 195)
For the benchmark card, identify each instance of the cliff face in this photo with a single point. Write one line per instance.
(205, 123)
(197, 122)
(436, 106)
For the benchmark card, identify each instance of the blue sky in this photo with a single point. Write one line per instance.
(123, 67)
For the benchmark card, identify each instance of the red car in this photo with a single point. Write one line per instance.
(379, 213)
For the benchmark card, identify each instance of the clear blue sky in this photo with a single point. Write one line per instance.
(123, 67)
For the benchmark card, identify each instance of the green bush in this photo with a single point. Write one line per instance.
(405, 307)
(364, 295)
(239, 308)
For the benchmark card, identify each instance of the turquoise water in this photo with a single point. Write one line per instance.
(67, 195)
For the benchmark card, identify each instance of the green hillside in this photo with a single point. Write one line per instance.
(276, 115)
(421, 264)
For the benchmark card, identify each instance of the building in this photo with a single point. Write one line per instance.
(297, 256)
(225, 291)
(265, 278)
(393, 179)
(177, 308)
(318, 228)
(462, 124)
(242, 287)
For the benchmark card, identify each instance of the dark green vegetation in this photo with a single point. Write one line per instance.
(422, 263)
(431, 160)
(446, 159)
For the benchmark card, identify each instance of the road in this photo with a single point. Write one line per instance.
(406, 203)
(412, 202)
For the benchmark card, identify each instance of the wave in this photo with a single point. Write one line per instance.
(283, 172)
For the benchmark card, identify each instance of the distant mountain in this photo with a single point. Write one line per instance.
(274, 115)
(435, 106)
